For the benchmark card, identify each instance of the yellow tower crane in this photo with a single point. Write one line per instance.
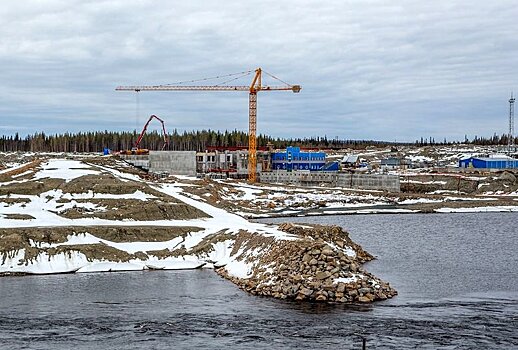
(253, 89)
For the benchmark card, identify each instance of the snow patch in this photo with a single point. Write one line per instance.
(67, 170)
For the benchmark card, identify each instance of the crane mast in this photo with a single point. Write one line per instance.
(253, 89)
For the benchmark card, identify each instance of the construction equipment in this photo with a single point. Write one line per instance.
(252, 89)
(139, 151)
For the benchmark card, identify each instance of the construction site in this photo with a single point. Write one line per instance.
(266, 164)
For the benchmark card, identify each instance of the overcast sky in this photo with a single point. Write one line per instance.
(388, 70)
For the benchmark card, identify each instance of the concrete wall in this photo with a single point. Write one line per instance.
(141, 161)
(173, 162)
(334, 179)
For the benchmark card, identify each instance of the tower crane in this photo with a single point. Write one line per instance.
(254, 87)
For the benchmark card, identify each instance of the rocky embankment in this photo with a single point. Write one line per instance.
(320, 263)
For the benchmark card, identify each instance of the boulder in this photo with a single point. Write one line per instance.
(321, 297)
(327, 251)
(322, 275)
(364, 299)
(305, 291)
(507, 177)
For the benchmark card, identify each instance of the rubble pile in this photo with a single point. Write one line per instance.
(322, 264)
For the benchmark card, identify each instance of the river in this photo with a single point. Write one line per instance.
(457, 277)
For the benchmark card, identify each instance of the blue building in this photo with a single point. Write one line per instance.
(294, 159)
(489, 163)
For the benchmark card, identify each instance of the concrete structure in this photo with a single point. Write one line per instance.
(489, 163)
(334, 179)
(140, 161)
(173, 162)
(232, 163)
(170, 162)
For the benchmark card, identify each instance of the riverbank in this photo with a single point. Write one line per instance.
(276, 200)
(96, 214)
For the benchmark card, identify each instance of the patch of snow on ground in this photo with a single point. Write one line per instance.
(453, 199)
(43, 263)
(443, 192)
(368, 211)
(434, 182)
(109, 266)
(173, 264)
(64, 169)
(91, 195)
(14, 166)
(186, 177)
(503, 208)
(419, 158)
(345, 280)
(248, 193)
(119, 174)
(239, 269)
(221, 219)
(22, 174)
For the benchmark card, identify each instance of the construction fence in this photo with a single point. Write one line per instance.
(388, 183)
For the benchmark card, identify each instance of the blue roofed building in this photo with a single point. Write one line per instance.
(295, 159)
(489, 163)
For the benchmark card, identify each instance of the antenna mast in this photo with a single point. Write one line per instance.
(510, 137)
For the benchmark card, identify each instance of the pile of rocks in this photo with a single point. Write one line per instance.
(323, 265)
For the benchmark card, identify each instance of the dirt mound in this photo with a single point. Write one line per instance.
(138, 234)
(115, 163)
(104, 183)
(330, 234)
(98, 251)
(13, 240)
(33, 188)
(119, 234)
(8, 176)
(18, 216)
(507, 177)
(431, 183)
(134, 209)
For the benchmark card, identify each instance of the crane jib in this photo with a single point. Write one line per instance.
(294, 88)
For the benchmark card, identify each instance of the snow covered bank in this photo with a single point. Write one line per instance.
(71, 216)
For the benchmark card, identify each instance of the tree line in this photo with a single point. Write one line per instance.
(198, 140)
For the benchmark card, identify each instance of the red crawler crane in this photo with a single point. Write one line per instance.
(136, 149)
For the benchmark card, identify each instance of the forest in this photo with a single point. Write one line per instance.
(97, 141)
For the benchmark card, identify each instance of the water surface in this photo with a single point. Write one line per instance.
(456, 275)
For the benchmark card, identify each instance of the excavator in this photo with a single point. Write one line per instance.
(135, 150)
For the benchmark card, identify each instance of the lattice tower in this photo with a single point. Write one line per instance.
(510, 139)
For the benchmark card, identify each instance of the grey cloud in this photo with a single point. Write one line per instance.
(369, 69)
